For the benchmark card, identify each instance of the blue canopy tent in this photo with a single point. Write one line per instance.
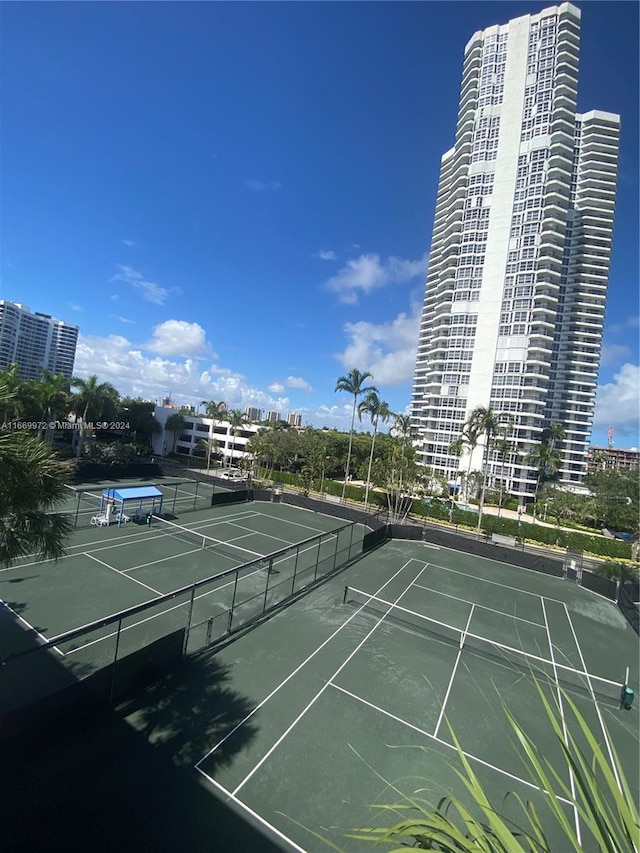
(121, 496)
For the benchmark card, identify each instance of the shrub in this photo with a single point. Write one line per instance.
(597, 545)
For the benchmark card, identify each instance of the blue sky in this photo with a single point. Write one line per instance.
(234, 201)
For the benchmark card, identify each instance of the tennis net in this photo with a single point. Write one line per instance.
(236, 553)
(534, 664)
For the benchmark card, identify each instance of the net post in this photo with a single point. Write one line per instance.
(75, 521)
(317, 566)
(187, 629)
(195, 497)
(233, 597)
(346, 593)
(112, 686)
(175, 498)
(295, 570)
(266, 585)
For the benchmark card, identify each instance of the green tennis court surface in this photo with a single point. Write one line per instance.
(109, 569)
(301, 722)
(334, 690)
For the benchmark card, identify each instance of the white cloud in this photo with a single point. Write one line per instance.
(618, 402)
(125, 320)
(261, 186)
(177, 337)
(367, 273)
(613, 354)
(117, 360)
(151, 291)
(297, 382)
(631, 322)
(325, 255)
(388, 351)
(128, 243)
(74, 306)
(276, 388)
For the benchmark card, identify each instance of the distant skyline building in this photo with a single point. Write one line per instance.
(519, 262)
(272, 417)
(253, 414)
(36, 341)
(294, 419)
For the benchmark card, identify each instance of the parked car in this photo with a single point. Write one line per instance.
(232, 474)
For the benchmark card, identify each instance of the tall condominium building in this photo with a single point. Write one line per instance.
(35, 341)
(518, 269)
(294, 419)
(272, 417)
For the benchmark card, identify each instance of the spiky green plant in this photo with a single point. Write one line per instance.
(601, 797)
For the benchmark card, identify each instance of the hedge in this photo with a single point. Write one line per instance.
(330, 487)
(440, 511)
(598, 545)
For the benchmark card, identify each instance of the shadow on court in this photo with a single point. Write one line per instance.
(190, 709)
(98, 783)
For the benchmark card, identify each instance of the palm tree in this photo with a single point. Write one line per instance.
(468, 439)
(94, 400)
(13, 392)
(485, 421)
(353, 384)
(402, 427)
(175, 425)
(260, 448)
(32, 484)
(377, 410)
(456, 448)
(503, 448)
(547, 460)
(209, 445)
(553, 434)
(52, 394)
(235, 419)
(215, 411)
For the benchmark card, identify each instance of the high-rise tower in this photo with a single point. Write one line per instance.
(35, 341)
(519, 263)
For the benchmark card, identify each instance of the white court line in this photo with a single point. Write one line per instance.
(268, 535)
(497, 583)
(32, 630)
(595, 701)
(481, 606)
(177, 606)
(106, 565)
(251, 812)
(453, 674)
(298, 668)
(290, 728)
(468, 755)
(429, 545)
(297, 523)
(565, 733)
(162, 613)
(120, 542)
(255, 554)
